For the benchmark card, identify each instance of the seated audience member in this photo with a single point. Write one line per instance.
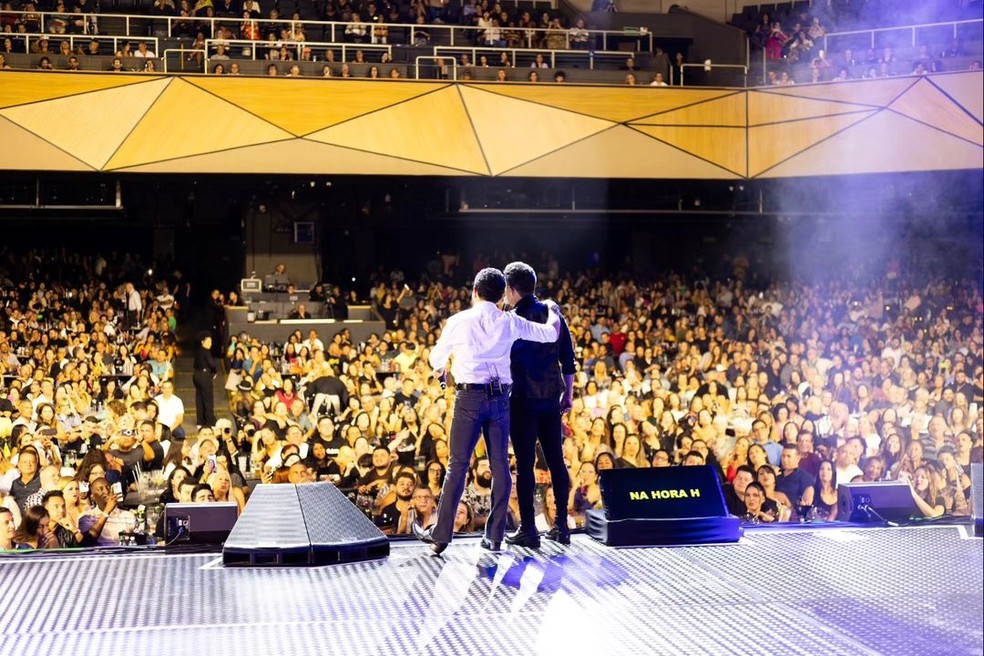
(65, 534)
(734, 493)
(393, 519)
(823, 506)
(102, 524)
(757, 507)
(925, 493)
(8, 530)
(34, 531)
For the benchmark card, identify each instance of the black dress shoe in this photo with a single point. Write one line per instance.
(524, 537)
(424, 535)
(489, 545)
(558, 534)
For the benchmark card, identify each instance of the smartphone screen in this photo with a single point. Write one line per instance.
(117, 489)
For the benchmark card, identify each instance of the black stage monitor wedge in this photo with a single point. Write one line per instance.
(311, 524)
(198, 523)
(866, 503)
(662, 506)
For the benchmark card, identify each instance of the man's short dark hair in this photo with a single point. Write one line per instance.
(490, 284)
(406, 474)
(521, 277)
(748, 469)
(199, 487)
(51, 494)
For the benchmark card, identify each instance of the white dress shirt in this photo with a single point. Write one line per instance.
(168, 410)
(480, 339)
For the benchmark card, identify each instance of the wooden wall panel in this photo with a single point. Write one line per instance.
(876, 93)
(81, 126)
(925, 102)
(70, 120)
(298, 156)
(433, 129)
(23, 87)
(542, 130)
(724, 147)
(766, 107)
(771, 144)
(966, 90)
(622, 152)
(618, 104)
(303, 106)
(720, 112)
(33, 153)
(878, 145)
(185, 121)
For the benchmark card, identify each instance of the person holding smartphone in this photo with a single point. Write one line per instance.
(102, 524)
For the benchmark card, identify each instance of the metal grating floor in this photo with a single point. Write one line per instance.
(874, 591)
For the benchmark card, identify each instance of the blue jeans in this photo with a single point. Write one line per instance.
(476, 413)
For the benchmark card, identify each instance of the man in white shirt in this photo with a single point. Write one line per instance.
(479, 342)
(170, 410)
(102, 524)
(313, 343)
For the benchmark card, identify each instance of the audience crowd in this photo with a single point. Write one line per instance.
(787, 390)
(85, 347)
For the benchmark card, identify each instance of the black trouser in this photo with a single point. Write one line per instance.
(529, 420)
(204, 397)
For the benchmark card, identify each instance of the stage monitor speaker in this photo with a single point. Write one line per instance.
(874, 502)
(977, 497)
(662, 506)
(198, 523)
(311, 524)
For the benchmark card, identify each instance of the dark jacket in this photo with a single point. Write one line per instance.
(537, 369)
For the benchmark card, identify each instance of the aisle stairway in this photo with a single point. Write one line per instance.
(185, 388)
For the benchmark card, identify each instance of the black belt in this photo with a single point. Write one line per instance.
(482, 387)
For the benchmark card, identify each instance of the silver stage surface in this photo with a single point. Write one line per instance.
(896, 591)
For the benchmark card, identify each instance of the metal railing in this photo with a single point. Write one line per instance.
(911, 29)
(550, 56)
(335, 32)
(297, 48)
(185, 55)
(30, 38)
(439, 62)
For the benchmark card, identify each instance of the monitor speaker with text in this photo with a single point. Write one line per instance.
(662, 506)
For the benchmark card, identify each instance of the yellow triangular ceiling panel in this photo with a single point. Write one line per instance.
(298, 156)
(19, 88)
(432, 129)
(185, 121)
(877, 93)
(725, 147)
(535, 131)
(774, 143)
(79, 125)
(766, 107)
(621, 152)
(726, 111)
(305, 106)
(926, 103)
(33, 152)
(875, 146)
(967, 89)
(613, 103)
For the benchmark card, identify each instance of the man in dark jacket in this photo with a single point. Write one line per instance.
(543, 379)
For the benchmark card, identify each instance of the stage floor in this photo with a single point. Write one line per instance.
(895, 591)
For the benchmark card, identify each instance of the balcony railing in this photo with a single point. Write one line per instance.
(144, 27)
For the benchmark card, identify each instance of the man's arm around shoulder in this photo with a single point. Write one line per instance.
(538, 332)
